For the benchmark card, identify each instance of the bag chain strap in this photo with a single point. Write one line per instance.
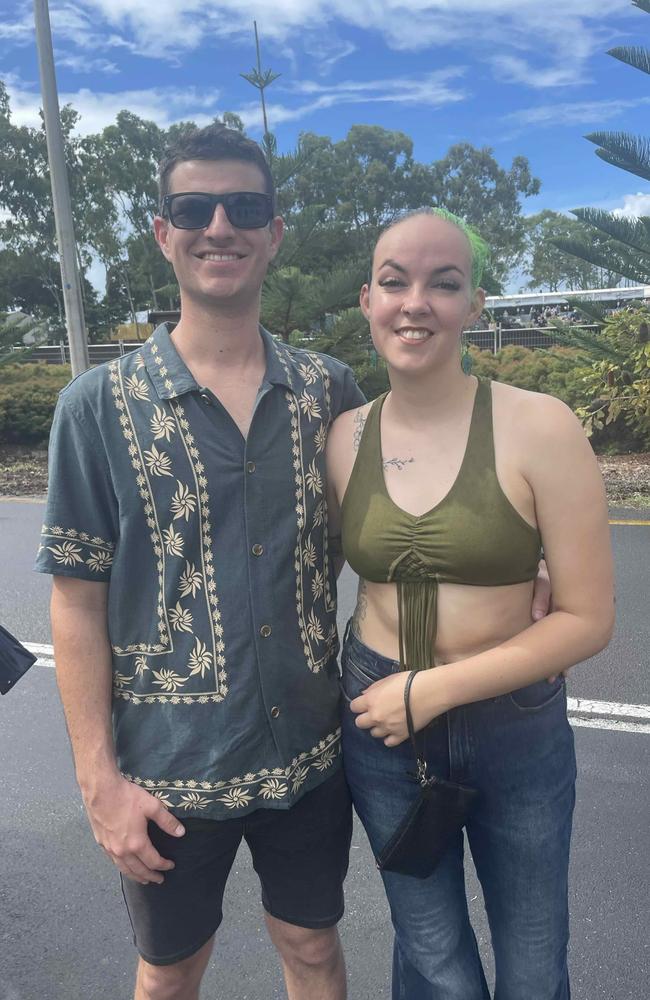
(421, 775)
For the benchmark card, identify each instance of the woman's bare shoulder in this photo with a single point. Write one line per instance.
(348, 427)
(532, 411)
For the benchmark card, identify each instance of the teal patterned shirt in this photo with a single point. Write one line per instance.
(221, 598)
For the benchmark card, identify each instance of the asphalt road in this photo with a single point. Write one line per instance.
(64, 934)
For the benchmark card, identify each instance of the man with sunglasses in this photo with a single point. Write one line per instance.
(193, 604)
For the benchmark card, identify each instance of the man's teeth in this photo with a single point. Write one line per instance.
(220, 256)
(414, 334)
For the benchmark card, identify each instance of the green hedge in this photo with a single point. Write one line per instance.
(558, 371)
(28, 391)
(28, 394)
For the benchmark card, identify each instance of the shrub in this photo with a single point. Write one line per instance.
(28, 395)
(559, 371)
(617, 383)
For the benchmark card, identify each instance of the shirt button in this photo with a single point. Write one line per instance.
(257, 549)
(275, 711)
(250, 466)
(265, 631)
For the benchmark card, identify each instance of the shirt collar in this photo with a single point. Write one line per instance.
(171, 376)
(168, 372)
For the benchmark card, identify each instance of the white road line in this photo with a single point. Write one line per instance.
(39, 649)
(583, 712)
(607, 709)
(613, 725)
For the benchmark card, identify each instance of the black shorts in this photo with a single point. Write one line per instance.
(300, 854)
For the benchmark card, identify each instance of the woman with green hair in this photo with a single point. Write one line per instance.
(443, 491)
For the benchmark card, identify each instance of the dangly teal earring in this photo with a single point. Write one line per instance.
(465, 356)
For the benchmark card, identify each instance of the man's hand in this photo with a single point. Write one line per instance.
(118, 812)
(541, 593)
(542, 597)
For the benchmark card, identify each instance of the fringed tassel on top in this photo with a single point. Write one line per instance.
(417, 606)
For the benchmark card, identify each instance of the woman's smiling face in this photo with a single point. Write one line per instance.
(420, 297)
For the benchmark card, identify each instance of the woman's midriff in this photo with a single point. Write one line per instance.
(470, 619)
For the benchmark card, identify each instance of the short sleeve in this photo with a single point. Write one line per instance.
(351, 395)
(80, 531)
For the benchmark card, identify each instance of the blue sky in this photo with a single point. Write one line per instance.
(522, 76)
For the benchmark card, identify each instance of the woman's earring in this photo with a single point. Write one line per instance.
(465, 356)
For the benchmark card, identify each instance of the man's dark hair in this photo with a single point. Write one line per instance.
(214, 142)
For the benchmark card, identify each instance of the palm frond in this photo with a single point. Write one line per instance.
(631, 232)
(634, 55)
(629, 152)
(594, 311)
(15, 329)
(593, 346)
(612, 257)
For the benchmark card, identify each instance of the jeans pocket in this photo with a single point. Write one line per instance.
(539, 695)
(355, 679)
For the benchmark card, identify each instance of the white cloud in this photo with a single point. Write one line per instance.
(513, 69)
(428, 89)
(634, 205)
(543, 45)
(164, 105)
(581, 113)
(326, 51)
(85, 64)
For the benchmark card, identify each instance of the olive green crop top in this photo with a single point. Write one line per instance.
(473, 536)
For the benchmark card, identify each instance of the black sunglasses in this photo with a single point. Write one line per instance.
(195, 209)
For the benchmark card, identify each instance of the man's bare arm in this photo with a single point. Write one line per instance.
(118, 810)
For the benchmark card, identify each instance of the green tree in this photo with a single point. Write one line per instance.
(620, 380)
(549, 268)
(470, 182)
(622, 244)
(617, 379)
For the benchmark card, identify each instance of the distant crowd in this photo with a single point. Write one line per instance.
(525, 317)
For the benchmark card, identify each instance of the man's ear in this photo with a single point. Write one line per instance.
(364, 300)
(161, 233)
(277, 232)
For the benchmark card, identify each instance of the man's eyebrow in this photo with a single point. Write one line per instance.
(437, 270)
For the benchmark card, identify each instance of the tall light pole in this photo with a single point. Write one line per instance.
(72, 299)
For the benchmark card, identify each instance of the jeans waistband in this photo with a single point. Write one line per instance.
(365, 655)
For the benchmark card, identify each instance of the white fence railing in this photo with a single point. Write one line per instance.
(492, 340)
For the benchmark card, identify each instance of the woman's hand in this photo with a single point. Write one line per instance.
(381, 707)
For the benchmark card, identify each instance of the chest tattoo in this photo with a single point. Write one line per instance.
(396, 463)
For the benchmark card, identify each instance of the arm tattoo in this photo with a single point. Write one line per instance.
(396, 463)
(359, 424)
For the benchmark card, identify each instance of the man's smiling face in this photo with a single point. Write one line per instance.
(219, 265)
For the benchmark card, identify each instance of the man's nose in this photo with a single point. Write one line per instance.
(220, 225)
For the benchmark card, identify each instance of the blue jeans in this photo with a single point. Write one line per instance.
(517, 751)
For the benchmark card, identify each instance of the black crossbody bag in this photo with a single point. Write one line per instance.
(15, 660)
(440, 810)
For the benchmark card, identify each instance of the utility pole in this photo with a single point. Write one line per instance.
(72, 299)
